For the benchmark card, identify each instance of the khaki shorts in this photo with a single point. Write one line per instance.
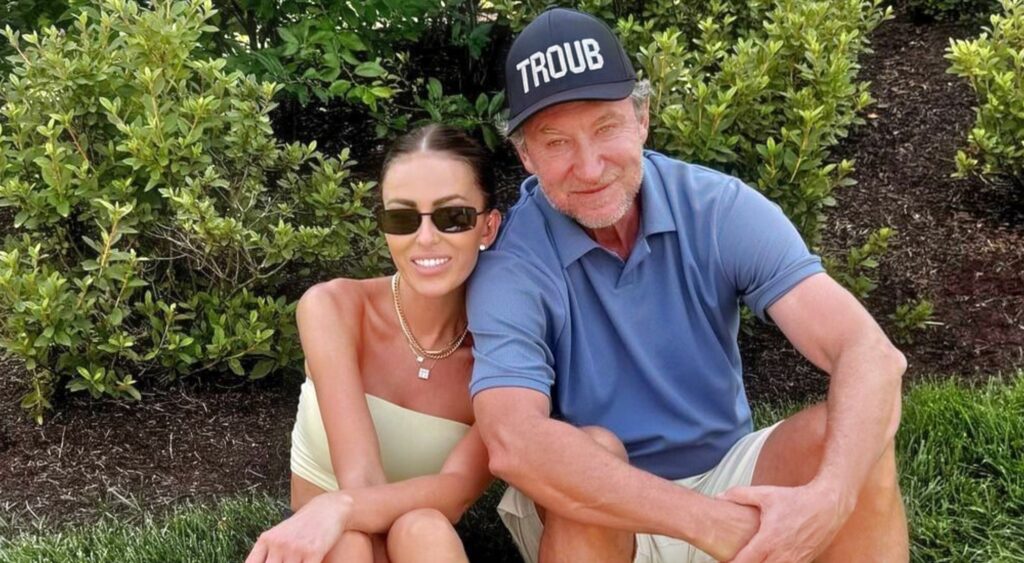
(736, 469)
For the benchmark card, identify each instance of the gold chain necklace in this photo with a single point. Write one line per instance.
(421, 352)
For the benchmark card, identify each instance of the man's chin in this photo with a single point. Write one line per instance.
(601, 220)
(596, 222)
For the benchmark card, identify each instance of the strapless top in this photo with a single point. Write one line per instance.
(411, 443)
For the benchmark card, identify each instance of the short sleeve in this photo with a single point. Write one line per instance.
(761, 252)
(514, 319)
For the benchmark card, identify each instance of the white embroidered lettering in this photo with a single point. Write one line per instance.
(559, 60)
(537, 62)
(521, 67)
(578, 65)
(560, 57)
(592, 50)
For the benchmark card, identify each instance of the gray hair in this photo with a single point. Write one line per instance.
(639, 96)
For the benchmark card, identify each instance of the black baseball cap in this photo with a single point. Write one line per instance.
(564, 55)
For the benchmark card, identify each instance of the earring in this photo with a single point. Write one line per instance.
(483, 247)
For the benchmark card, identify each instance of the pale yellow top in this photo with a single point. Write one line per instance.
(411, 443)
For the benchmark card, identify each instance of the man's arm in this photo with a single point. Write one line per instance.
(567, 472)
(833, 330)
(830, 327)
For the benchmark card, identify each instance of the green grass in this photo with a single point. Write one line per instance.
(961, 453)
(961, 456)
(194, 533)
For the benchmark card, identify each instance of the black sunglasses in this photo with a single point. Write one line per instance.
(446, 219)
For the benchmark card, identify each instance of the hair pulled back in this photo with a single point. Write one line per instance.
(452, 141)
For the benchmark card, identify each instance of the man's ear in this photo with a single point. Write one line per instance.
(645, 121)
(524, 157)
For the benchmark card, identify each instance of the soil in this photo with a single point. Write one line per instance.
(959, 244)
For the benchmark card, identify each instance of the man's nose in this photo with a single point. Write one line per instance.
(589, 163)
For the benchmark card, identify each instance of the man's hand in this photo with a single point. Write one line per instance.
(307, 535)
(797, 523)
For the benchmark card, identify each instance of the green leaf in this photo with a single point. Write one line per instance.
(496, 102)
(236, 366)
(370, 69)
(63, 339)
(351, 41)
(287, 35)
(262, 368)
(490, 138)
(78, 385)
(339, 87)
(434, 90)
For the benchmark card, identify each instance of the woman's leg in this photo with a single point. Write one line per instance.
(357, 547)
(353, 547)
(424, 536)
(302, 491)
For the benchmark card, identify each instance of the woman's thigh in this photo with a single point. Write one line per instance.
(357, 547)
(302, 491)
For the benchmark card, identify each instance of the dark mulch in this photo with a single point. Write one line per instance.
(198, 440)
(959, 244)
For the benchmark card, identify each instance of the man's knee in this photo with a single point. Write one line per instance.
(422, 524)
(883, 481)
(607, 439)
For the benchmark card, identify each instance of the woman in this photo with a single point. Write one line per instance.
(384, 454)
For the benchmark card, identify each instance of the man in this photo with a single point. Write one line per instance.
(607, 384)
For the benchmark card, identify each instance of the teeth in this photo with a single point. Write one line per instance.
(431, 262)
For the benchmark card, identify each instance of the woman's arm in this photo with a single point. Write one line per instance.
(329, 323)
(462, 479)
(312, 531)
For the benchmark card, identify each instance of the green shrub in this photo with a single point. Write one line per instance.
(326, 50)
(993, 64)
(765, 103)
(157, 219)
(358, 53)
(854, 273)
(27, 16)
(909, 318)
(760, 89)
(481, 115)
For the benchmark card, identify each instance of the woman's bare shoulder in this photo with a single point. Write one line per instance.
(343, 296)
(334, 312)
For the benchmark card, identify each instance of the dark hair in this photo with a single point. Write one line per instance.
(447, 139)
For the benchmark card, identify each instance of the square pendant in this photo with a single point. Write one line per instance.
(424, 373)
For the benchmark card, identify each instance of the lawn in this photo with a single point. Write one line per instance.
(961, 455)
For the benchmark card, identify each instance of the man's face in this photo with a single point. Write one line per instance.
(588, 158)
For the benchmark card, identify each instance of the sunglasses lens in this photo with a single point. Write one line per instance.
(399, 221)
(454, 219)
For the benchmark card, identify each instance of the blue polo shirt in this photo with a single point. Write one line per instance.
(645, 347)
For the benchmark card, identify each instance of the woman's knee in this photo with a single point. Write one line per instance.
(422, 524)
(351, 547)
(607, 439)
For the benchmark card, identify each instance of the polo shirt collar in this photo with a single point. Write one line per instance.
(572, 242)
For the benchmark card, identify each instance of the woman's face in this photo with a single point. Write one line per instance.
(432, 262)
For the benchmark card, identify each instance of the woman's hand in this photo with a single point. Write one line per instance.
(307, 535)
